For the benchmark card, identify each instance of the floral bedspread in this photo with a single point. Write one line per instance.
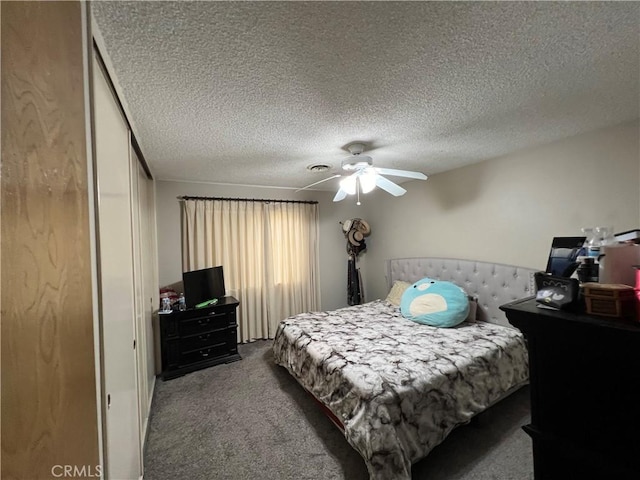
(399, 387)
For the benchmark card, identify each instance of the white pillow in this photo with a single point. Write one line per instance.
(395, 294)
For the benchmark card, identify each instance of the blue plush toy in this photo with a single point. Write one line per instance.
(436, 303)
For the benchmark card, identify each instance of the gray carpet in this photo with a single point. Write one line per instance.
(251, 420)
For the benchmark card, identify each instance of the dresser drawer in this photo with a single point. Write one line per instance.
(213, 321)
(203, 354)
(206, 339)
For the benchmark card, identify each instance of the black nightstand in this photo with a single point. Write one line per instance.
(199, 338)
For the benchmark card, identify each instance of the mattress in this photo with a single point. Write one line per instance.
(398, 387)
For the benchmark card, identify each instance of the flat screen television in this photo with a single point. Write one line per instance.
(202, 285)
(563, 256)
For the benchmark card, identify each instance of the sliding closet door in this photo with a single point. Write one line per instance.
(149, 263)
(116, 285)
(137, 215)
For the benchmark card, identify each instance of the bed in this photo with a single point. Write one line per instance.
(397, 388)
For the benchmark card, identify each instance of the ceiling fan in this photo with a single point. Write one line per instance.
(365, 176)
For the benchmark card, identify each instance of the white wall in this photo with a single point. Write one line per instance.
(333, 255)
(508, 209)
(502, 210)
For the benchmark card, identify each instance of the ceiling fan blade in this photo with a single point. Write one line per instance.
(341, 195)
(401, 173)
(318, 182)
(389, 186)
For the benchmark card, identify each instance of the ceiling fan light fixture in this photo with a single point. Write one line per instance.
(367, 180)
(348, 184)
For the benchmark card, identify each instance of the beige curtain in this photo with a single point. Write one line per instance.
(268, 251)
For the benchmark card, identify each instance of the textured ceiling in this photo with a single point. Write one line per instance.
(253, 92)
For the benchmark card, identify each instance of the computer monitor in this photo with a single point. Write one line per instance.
(563, 257)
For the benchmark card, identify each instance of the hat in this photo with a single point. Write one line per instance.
(355, 237)
(362, 226)
(346, 225)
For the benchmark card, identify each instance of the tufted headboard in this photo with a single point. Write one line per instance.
(493, 283)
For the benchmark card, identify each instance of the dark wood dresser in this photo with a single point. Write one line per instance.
(585, 393)
(198, 338)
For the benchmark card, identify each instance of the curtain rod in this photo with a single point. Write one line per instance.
(265, 200)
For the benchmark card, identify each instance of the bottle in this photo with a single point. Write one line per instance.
(182, 303)
(591, 247)
(589, 234)
(588, 270)
(606, 235)
(166, 305)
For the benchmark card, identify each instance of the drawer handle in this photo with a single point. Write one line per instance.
(204, 337)
(204, 321)
(204, 353)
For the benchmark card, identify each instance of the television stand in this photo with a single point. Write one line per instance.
(198, 338)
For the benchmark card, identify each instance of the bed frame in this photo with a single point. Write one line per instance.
(494, 284)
